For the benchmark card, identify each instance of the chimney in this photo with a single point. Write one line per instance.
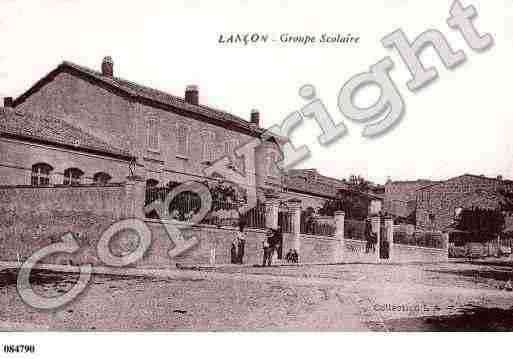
(255, 117)
(192, 94)
(107, 67)
(8, 102)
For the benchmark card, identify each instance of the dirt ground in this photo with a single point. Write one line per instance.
(350, 297)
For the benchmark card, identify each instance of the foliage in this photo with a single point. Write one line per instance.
(482, 225)
(410, 219)
(358, 183)
(506, 205)
(224, 193)
(355, 207)
(309, 224)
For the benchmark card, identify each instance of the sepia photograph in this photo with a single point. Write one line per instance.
(267, 167)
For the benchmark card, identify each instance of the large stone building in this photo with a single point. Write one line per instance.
(172, 138)
(439, 204)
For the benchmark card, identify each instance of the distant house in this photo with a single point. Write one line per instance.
(400, 196)
(312, 188)
(360, 204)
(439, 204)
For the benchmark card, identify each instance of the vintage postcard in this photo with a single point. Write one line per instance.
(255, 166)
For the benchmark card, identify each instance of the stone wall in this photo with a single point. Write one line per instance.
(405, 253)
(33, 217)
(354, 251)
(318, 249)
(213, 243)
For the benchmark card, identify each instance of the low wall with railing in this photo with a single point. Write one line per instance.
(419, 246)
(406, 253)
(32, 217)
(213, 245)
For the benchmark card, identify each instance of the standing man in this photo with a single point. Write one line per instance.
(268, 246)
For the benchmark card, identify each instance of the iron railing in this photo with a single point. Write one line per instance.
(285, 221)
(420, 239)
(311, 226)
(221, 213)
(354, 229)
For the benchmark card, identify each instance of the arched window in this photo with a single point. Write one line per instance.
(72, 176)
(151, 182)
(40, 174)
(101, 178)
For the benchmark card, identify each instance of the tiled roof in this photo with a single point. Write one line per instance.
(143, 92)
(31, 126)
(309, 181)
(503, 181)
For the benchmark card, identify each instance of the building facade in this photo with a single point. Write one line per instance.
(439, 204)
(39, 151)
(172, 139)
(400, 196)
(312, 188)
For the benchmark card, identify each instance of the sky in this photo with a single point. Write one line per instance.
(458, 124)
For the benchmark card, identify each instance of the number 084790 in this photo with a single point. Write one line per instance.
(19, 348)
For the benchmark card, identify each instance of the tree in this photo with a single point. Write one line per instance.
(358, 183)
(482, 225)
(353, 205)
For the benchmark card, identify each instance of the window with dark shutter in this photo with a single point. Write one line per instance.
(40, 174)
(72, 176)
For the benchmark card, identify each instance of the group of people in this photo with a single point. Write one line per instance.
(271, 244)
(292, 256)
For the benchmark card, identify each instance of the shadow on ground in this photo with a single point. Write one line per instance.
(471, 318)
(495, 274)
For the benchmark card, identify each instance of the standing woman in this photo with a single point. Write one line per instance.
(234, 251)
(241, 238)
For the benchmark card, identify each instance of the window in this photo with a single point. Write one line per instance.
(153, 134)
(431, 217)
(72, 176)
(101, 178)
(208, 152)
(229, 150)
(182, 141)
(40, 174)
(152, 182)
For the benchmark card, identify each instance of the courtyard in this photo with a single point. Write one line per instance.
(454, 296)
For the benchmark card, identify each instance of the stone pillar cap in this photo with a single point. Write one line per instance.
(134, 178)
(294, 200)
(271, 195)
